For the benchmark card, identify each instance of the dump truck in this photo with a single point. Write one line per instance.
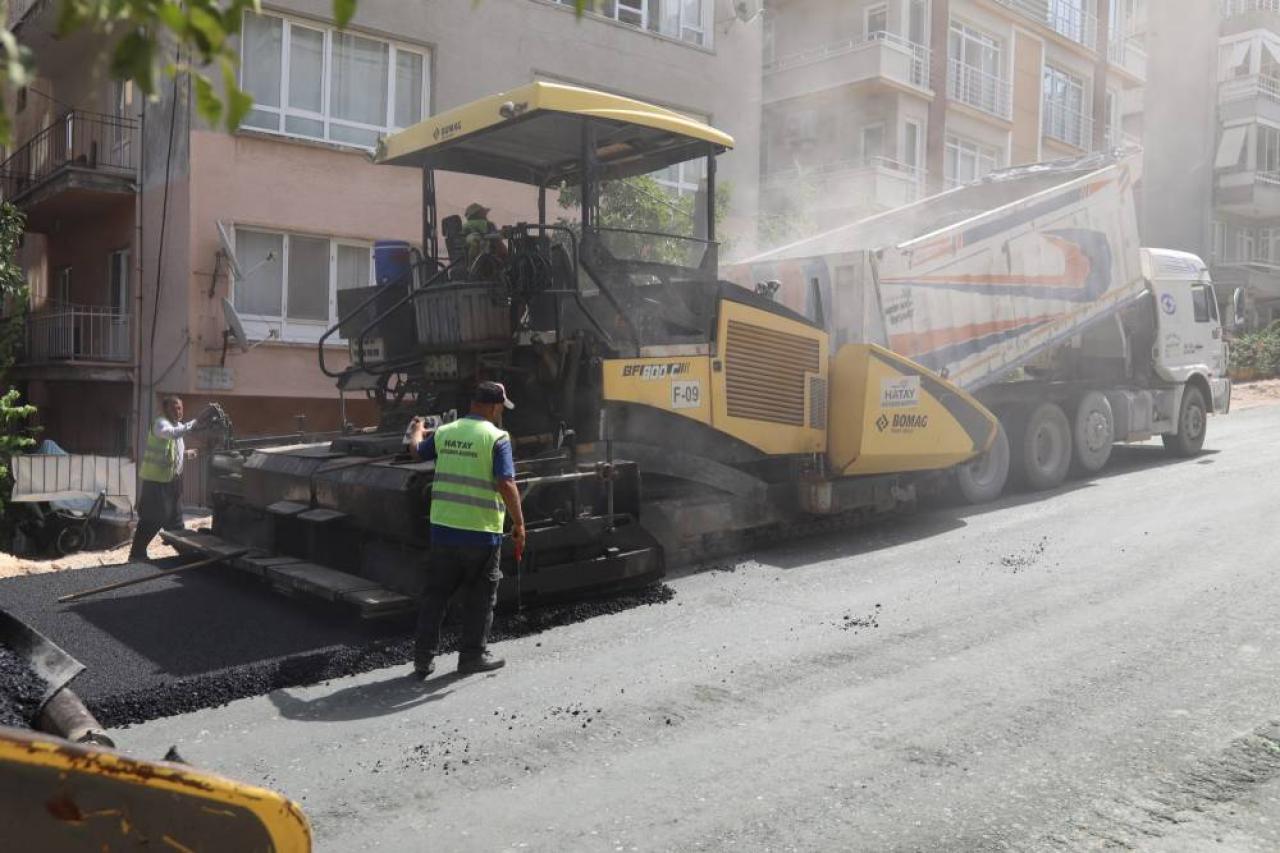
(1031, 291)
(659, 407)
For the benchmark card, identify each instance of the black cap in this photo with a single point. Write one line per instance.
(492, 392)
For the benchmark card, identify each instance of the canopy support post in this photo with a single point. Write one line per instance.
(430, 246)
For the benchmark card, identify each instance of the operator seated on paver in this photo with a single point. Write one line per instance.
(481, 235)
(160, 506)
(473, 488)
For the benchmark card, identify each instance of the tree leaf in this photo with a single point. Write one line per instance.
(209, 27)
(343, 10)
(208, 104)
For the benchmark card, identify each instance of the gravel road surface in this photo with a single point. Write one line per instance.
(1095, 668)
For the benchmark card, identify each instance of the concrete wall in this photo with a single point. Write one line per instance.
(1179, 133)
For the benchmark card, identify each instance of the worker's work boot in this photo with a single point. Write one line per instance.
(483, 662)
(423, 669)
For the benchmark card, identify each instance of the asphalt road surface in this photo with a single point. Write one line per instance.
(1096, 668)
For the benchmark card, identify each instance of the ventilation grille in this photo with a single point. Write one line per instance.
(817, 402)
(765, 373)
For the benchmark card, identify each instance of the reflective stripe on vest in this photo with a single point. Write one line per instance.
(159, 459)
(464, 495)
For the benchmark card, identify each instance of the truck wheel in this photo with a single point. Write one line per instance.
(1042, 446)
(1094, 433)
(1192, 424)
(982, 480)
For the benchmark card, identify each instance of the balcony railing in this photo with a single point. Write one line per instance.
(1126, 53)
(978, 89)
(1067, 124)
(920, 55)
(78, 333)
(1244, 7)
(78, 139)
(1069, 19)
(1247, 88)
(843, 167)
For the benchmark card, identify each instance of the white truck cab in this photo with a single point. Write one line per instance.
(1189, 345)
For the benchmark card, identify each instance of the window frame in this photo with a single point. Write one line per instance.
(1201, 296)
(283, 112)
(696, 33)
(1058, 87)
(289, 330)
(874, 9)
(981, 154)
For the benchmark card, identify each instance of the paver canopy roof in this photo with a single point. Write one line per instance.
(534, 134)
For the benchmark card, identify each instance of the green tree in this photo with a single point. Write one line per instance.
(641, 204)
(13, 302)
(164, 38)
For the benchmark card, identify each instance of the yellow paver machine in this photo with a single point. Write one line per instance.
(657, 405)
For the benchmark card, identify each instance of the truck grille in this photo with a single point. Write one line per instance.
(765, 373)
(817, 402)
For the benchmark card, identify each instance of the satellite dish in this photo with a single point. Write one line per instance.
(235, 329)
(229, 253)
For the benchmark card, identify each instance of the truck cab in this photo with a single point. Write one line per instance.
(1189, 345)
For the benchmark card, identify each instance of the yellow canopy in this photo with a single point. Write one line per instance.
(534, 134)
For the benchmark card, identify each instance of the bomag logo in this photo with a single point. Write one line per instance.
(656, 371)
(445, 131)
(910, 421)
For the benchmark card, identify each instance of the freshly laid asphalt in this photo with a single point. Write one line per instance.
(203, 638)
(1093, 668)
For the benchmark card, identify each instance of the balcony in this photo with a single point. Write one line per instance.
(883, 57)
(980, 90)
(1127, 55)
(850, 187)
(1241, 15)
(1251, 97)
(77, 166)
(1248, 193)
(1067, 125)
(76, 335)
(1071, 20)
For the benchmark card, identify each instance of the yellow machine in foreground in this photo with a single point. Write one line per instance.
(58, 795)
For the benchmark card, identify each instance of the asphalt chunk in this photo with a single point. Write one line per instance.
(208, 637)
(20, 690)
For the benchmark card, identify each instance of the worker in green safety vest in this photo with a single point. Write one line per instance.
(473, 489)
(160, 506)
(482, 236)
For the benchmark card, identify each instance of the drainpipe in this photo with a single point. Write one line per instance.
(136, 419)
(1100, 77)
(939, 69)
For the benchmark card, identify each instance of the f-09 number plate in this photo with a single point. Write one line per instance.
(686, 394)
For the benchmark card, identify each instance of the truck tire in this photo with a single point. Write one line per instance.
(1094, 433)
(1192, 423)
(1041, 445)
(983, 480)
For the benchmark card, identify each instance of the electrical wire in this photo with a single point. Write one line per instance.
(164, 218)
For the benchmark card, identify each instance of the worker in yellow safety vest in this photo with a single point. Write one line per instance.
(160, 506)
(473, 489)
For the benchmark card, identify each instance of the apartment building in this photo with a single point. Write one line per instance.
(125, 196)
(870, 103)
(1245, 235)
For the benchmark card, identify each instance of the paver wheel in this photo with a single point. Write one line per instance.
(983, 479)
(1193, 421)
(1094, 433)
(1040, 444)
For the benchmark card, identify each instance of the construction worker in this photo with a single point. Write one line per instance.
(473, 489)
(160, 506)
(481, 234)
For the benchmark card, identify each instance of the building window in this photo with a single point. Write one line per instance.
(1065, 118)
(678, 19)
(118, 281)
(872, 143)
(291, 281)
(62, 286)
(877, 21)
(911, 138)
(967, 161)
(1268, 149)
(977, 65)
(1070, 18)
(315, 82)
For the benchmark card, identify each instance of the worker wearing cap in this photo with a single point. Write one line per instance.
(480, 234)
(160, 506)
(473, 489)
